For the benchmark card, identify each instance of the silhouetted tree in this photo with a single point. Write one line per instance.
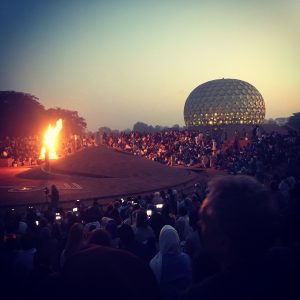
(115, 132)
(176, 127)
(270, 121)
(140, 127)
(20, 114)
(104, 129)
(158, 128)
(294, 121)
(72, 122)
(143, 127)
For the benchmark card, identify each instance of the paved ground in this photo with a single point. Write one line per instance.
(93, 173)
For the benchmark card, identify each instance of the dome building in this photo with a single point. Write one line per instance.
(224, 102)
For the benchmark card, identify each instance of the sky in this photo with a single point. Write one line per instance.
(119, 62)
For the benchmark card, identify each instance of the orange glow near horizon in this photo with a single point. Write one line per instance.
(51, 140)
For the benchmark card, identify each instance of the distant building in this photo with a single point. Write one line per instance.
(224, 102)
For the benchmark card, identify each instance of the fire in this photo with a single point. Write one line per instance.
(50, 141)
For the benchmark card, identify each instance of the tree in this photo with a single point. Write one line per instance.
(270, 121)
(158, 128)
(20, 114)
(104, 129)
(294, 121)
(176, 127)
(140, 127)
(127, 130)
(72, 122)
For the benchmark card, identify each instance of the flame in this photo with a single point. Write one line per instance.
(50, 141)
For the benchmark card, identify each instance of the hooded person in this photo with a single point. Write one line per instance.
(171, 267)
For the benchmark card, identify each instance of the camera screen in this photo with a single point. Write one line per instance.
(149, 212)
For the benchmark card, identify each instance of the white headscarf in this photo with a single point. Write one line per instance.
(169, 243)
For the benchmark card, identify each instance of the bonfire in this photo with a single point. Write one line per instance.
(50, 142)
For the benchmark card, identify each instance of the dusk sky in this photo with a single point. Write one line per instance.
(119, 62)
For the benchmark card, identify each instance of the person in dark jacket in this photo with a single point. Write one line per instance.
(54, 198)
(106, 273)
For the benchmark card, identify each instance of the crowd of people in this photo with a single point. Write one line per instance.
(171, 147)
(232, 239)
(257, 154)
(260, 156)
(25, 151)
(237, 237)
(22, 151)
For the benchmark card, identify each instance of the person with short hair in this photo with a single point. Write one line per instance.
(75, 242)
(107, 273)
(238, 227)
(142, 229)
(99, 237)
(128, 243)
(182, 224)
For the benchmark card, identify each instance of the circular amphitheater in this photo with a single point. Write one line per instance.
(93, 173)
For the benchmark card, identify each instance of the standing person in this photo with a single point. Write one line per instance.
(182, 224)
(46, 191)
(54, 197)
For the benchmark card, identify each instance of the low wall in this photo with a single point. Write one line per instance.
(6, 162)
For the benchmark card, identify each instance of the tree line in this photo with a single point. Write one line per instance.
(21, 114)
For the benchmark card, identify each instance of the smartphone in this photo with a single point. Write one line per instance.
(149, 212)
(159, 205)
(75, 209)
(37, 223)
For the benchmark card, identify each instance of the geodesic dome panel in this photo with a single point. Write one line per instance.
(222, 102)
